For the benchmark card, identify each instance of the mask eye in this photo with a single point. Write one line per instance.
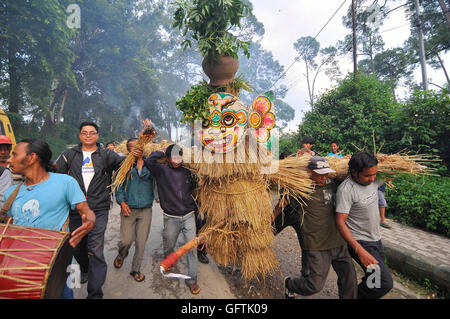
(206, 123)
(228, 120)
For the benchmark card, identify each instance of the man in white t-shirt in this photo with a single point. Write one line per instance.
(358, 221)
(92, 166)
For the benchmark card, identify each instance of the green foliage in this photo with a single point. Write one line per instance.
(208, 22)
(194, 104)
(422, 124)
(423, 203)
(350, 113)
(288, 142)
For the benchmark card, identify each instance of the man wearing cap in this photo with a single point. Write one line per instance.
(6, 177)
(322, 242)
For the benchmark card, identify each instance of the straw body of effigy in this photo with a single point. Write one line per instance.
(340, 165)
(237, 195)
(292, 178)
(390, 164)
(405, 164)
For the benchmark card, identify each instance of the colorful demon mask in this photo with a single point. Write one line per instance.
(229, 120)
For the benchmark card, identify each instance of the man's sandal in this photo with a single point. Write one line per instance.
(386, 225)
(137, 276)
(194, 288)
(118, 262)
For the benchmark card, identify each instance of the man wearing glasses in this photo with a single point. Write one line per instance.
(91, 165)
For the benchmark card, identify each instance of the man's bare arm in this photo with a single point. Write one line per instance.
(88, 221)
(364, 256)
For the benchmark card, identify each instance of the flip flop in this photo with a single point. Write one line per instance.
(194, 288)
(137, 276)
(118, 262)
(385, 225)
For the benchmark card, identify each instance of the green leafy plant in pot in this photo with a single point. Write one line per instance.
(209, 22)
(194, 104)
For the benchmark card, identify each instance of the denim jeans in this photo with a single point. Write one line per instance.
(89, 253)
(173, 227)
(293, 219)
(67, 292)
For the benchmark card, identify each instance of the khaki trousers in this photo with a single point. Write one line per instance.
(135, 228)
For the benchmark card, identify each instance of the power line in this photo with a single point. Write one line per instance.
(297, 58)
(394, 28)
(396, 8)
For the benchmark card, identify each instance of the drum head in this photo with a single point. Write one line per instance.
(58, 273)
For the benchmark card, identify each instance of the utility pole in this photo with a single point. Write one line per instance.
(355, 62)
(423, 61)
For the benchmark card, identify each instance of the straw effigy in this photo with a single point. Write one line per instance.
(292, 178)
(340, 165)
(405, 164)
(247, 159)
(237, 196)
(391, 164)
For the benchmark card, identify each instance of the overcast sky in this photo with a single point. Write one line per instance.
(287, 20)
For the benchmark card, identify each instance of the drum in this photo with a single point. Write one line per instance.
(33, 262)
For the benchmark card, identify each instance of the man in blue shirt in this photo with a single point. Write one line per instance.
(44, 198)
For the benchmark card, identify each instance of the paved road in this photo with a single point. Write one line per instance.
(419, 241)
(214, 284)
(119, 283)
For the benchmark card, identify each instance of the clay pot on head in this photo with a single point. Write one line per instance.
(221, 71)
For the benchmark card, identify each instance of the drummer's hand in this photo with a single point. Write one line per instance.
(87, 223)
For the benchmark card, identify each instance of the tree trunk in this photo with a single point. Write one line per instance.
(61, 107)
(371, 55)
(355, 61)
(445, 11)
(311, 97)
(443, 68)
(14, 79)
(421, 48)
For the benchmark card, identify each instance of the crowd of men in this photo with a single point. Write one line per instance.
(340, 221)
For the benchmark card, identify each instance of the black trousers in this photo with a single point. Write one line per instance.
(372, 287)
(291, 217)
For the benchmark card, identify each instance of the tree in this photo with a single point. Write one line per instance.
(309, 51)
(351, 113)
(261, 70)
(33, 51)
(390, 65)
(436, 32)
(421, 124)
(368, 20)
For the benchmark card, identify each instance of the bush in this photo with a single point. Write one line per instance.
(424, 203)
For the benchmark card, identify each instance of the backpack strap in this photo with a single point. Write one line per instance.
(8, 203)
(2, 169)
